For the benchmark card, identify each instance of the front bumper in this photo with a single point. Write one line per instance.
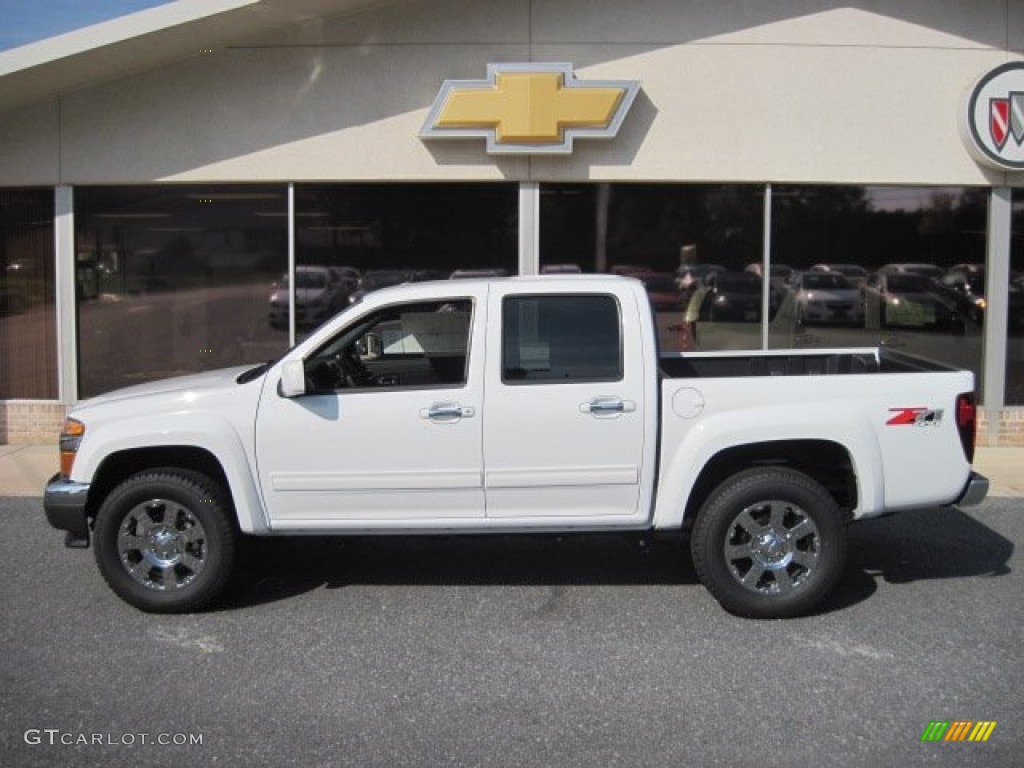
(65, 502)
(975, 490)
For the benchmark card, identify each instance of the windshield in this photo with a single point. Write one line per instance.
(825, 282)
(305, 279)
(909, 283)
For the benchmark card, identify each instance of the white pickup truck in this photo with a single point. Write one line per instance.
(519, 405)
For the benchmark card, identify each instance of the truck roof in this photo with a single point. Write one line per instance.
(546, 280)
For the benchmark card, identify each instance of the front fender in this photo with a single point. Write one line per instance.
(204, 430)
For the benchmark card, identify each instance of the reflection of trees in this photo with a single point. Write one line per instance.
(409, 226)
(840, 224)
(649, 223)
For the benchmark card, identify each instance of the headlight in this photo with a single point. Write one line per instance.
(70, 438)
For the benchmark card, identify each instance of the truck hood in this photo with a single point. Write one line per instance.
(180, 388)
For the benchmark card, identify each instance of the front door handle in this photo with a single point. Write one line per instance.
(447, 412)
(607, 406)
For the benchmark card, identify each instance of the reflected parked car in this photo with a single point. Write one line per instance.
(782, 272)
(690, 277)
(909, 300)
(854, 273)
(928, 270)
(827, 297)
(731, 297)
(348, 278)
(318, 296)
(662, 291)
(375, 279)
(964, 284)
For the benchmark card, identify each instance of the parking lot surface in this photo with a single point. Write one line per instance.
(517, 651)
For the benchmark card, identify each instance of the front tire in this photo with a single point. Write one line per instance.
(164, 541)
(769, 543)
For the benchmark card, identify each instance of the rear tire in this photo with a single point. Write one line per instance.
(164, 540)
(769, 543)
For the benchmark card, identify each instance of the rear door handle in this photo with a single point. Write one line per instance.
(447, 412)
(607, 406)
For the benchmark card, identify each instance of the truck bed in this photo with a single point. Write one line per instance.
(793, 363)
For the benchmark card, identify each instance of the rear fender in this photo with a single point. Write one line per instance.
(697, 445)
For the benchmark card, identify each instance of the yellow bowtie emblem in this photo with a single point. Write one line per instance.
(529, 108)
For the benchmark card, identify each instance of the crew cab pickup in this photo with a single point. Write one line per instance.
(520, 405)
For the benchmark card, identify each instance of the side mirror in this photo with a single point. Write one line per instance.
(293, 379)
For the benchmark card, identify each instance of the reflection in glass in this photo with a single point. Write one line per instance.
(898, 250)
(28, 335)
(705, 239)
(372, 236)
(1015, 321)
(175, 279)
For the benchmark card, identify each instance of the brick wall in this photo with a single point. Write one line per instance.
(30, 421)
(39, 421)
(1003, 428)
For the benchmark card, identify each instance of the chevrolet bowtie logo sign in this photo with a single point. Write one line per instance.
(530, 108)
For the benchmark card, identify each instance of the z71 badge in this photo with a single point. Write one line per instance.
(914, 417)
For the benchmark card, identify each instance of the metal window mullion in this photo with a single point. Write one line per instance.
(291, 264)
(997, 282)
(65, 299)
(766, 289)
(529, 228)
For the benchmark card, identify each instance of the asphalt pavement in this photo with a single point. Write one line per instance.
(516, 651)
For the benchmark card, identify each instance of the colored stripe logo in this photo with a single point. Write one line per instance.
(958, 730)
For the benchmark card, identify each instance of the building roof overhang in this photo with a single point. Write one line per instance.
(146, 40)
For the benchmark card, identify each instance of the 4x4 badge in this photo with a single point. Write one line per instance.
(914, 417)
(530, 108)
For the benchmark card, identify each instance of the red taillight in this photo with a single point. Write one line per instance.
(967, 422)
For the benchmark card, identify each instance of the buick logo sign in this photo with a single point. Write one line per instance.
(994, 118)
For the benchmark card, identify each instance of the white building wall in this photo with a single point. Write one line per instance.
(752, 91)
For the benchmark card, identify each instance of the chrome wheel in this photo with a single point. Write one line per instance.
(162, 545)
(772, 547)
(165, 540)
(769, 543)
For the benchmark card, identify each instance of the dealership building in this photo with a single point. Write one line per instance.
(171, 179)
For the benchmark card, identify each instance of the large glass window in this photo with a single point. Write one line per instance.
(696, 247)
(893, 266)
(352, 239)
(1015, 339)
(28, 336)
(175, 279)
